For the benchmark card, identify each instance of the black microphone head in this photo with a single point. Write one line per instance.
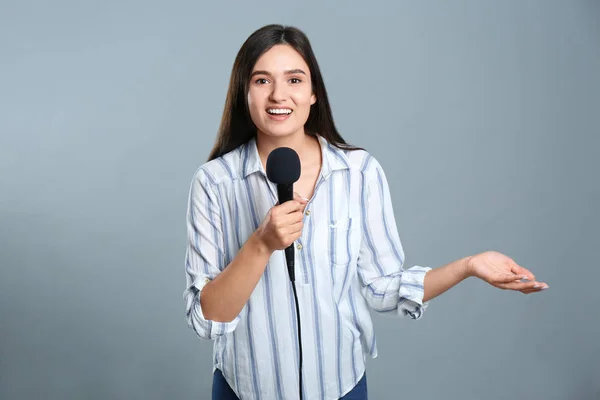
(283, 166)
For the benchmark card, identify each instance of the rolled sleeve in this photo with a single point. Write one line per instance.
(205, 258)
(388, 288)
(410, 295)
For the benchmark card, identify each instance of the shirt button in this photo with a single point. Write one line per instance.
(299, 247)
(307, 212)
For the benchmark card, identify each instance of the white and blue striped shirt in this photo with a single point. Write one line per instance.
(348, 259)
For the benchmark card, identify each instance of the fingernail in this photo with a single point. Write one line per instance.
(545, 287)
(536, 286)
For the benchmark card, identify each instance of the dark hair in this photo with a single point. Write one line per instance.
(236, 126)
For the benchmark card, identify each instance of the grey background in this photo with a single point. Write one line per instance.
(485, 116)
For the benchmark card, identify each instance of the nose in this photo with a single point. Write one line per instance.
(278, 92)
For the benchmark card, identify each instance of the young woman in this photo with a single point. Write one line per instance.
(348, 255)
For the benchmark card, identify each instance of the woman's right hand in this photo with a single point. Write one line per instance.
(283, 224)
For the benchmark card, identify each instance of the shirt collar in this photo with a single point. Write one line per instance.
(333, 158)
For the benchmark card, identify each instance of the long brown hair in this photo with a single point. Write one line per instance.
(236, 126)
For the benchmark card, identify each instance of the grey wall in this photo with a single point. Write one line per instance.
(485, 116)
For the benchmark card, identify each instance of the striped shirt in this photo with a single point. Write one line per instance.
(348, 260)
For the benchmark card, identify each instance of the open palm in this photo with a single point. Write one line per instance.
(503, 272)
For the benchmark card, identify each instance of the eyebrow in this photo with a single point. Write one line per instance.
(289, 72)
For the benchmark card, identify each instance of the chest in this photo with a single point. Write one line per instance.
(305, 186)
(332, 228)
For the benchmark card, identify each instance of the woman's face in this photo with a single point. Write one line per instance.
(280, 92)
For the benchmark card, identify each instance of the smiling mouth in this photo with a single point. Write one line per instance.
(279, 111)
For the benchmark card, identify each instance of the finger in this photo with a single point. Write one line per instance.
(297, 227)
(291, 218)
(529, 291)
(290, 206)
(507, 278)
(536, 286)
(517, 269)
(299, 198)
(520, 285)
(535, 290)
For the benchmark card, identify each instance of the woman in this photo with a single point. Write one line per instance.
(348, 256)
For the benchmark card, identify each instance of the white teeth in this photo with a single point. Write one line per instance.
(279, 111)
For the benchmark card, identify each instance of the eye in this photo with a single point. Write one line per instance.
(295, 80)
(261, 81)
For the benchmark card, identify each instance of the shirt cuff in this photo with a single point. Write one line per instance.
(206, 328)
(410, 302)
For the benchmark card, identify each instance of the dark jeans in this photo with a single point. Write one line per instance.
(222, 391)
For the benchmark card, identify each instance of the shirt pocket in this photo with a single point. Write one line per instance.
(343, 240)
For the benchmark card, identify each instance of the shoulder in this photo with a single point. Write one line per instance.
(363, 162)
(225, 168)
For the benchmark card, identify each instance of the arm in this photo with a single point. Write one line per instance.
(492, 267)
(439, 280)
(391, 289)
(224, 297)
(215, 292)
(388, 288)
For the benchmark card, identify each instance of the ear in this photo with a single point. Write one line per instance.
(313, 99)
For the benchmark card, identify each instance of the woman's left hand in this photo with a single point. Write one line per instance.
(503, 272)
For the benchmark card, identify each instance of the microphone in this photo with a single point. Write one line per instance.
(283, 169)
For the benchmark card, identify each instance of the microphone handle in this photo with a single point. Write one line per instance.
(286, 193)
(289, 257)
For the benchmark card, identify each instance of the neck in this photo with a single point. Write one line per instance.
(299, 142)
